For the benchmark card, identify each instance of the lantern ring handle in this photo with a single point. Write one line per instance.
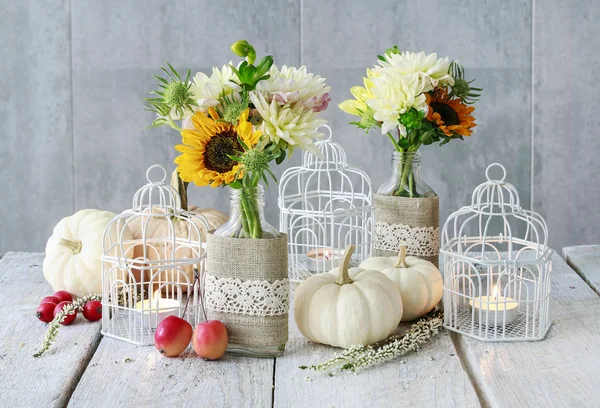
(491, 166)
(330, 131)
(156, 166)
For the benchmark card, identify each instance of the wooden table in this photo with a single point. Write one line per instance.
(82, 369)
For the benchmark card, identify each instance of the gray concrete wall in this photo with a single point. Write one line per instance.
(74, 75)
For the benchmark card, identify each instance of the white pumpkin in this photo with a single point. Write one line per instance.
(419, 281)
(73, 252)
(345, 307)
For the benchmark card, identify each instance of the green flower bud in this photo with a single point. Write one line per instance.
(176, 94)
(255, 160)
(233, 110)
(242, 48)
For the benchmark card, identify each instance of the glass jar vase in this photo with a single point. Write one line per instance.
(246, 215)
(407, 211)
(406, 178)
(246, 282)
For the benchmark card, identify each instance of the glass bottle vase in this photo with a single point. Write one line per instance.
(246, 215)
(246, 283)
(406, 180)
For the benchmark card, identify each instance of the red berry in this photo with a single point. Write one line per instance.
(68, 319)
(63, 296)
(50, 299)
(92, 310)
(45, 312)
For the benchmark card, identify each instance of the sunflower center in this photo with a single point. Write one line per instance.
(447, 114)
(218, 149)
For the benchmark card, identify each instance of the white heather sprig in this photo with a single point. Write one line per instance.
(76, 306)
(358, 357)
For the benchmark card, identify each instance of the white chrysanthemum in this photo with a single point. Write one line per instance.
(295, 125)
(207, 90)
(293, 86)
(432, 71)
(394, 93)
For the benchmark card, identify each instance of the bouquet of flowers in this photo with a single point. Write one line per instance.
(415, 99)
(238, 120)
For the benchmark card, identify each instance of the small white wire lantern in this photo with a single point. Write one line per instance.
(152, 254)
(325, 205)
(497, 266)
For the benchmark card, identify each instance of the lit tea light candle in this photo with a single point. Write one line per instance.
(151, 313)
(322, 259)
(495, 310)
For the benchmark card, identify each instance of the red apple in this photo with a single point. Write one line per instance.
(172, 336)
(210, 339)
(63, 296)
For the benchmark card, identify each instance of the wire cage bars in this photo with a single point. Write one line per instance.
(497, 266)
(152, 255)
(325, 205)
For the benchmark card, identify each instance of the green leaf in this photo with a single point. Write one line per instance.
(235, 185)
(281, 157)
(264, 65)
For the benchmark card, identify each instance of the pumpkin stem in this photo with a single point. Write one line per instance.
(344, 278)
(74, 246)
(181, 187)
(401, 261)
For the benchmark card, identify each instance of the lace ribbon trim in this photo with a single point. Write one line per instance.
(251, 297)
(420, 241)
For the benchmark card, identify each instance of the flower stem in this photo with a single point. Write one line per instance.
(173, 124)
(396, 145)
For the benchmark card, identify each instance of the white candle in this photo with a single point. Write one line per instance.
(151, 313)
(322, 259)
(495, 310)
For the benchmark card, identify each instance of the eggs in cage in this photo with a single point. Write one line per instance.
(153, 263)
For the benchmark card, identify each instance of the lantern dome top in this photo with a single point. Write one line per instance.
(495, 220)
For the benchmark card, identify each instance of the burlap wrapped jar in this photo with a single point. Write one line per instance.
(415, 221)
(246, 287)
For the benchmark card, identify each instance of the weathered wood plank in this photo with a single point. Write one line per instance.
(47, 381)
(585, 260)
(433, 377)
(560, 371)
(123, 374)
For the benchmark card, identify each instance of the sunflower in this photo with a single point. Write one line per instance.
(206, 149)
(450, 115)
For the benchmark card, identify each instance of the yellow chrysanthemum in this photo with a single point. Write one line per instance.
(206, 148)
(362, 94)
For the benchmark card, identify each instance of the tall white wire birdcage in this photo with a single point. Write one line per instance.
(325, 205)
(497, 266)
(152, 254)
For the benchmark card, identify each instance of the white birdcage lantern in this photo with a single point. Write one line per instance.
(152, 255)
(325, 205)
(497, 266)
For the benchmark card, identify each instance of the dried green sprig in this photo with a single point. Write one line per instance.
(51, 333)
(358, 358)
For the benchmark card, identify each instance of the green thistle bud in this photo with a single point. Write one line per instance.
(242, 48)
(461, 88)
(255, 161)
(176, 94)
(232, 111)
